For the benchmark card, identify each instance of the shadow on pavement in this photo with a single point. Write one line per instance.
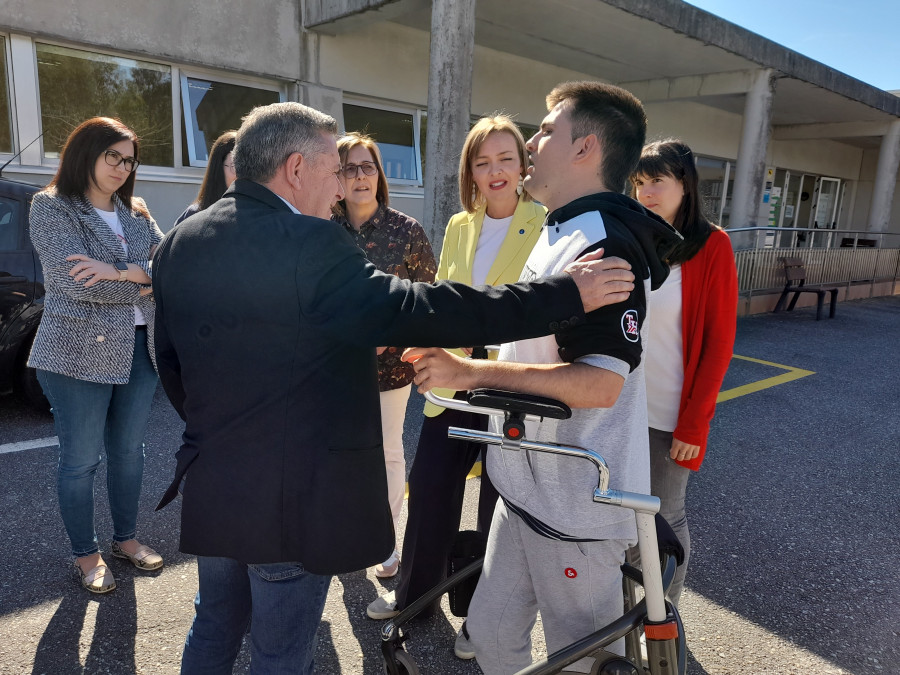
(793, 514)
(111, 646)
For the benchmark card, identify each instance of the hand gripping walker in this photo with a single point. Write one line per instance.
(658, 618)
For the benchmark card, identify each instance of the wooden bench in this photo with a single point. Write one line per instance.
(795, 272)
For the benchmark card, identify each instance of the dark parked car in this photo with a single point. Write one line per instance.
(21, 292)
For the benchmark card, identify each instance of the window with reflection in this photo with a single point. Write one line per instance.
(75, 85)
(396, 135)
(712, 174)
(211, 108)
(5, 118)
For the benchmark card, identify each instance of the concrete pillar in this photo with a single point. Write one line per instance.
(449, 103)
(324, 99)
(885, 179)
(751, 160)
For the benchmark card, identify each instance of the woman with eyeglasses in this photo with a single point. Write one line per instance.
(395, 244)
(218, 177)
(487, 243)
(93, 348)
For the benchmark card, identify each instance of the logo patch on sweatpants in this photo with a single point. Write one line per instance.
(630, 325)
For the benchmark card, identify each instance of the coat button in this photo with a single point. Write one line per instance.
(564, 324)
(554, 326)
(575, 321)
(100, 338)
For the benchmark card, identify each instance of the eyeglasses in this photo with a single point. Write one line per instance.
(351, 171)
(114, 158)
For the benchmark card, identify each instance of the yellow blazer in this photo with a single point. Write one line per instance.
(458, 256)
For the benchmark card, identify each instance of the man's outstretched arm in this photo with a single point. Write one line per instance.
(578, 385)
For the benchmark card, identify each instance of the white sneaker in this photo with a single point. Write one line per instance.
(383, 608)
(389, 567)
(462, 647)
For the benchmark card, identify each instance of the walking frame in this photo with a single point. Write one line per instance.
(653, 615)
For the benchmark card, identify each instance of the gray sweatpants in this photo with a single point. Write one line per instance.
(576, 586)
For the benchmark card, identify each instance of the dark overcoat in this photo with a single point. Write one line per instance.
(266, 325)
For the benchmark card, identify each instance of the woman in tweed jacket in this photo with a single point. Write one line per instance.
(92, 351)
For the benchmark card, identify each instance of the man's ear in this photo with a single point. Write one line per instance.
(293, 170)
(588, 148)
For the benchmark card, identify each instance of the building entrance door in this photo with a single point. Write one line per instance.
(826, 209)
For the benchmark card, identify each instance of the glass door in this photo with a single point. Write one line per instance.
(827, 203)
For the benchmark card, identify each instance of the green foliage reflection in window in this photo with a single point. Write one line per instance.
(76, 85)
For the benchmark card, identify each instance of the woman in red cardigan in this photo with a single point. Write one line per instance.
(692, 331)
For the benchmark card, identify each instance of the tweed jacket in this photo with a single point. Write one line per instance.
(88, 333)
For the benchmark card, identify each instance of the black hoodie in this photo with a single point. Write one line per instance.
(643, 239)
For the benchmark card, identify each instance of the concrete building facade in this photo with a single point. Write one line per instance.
(782, 140)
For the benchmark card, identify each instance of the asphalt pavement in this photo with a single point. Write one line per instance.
(794, 523)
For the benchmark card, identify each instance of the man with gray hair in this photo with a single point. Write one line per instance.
(267, 321)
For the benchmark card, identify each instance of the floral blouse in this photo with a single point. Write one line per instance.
(396, 244)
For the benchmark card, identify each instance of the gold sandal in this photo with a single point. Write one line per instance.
(145, 558)
(97, 580)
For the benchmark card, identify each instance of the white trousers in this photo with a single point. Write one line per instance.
(576, 586)
(393, 414)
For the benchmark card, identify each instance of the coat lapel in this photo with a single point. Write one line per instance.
(136, 233)
(526, 220)
(100, 230)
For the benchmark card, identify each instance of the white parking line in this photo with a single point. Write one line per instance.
(49, 442)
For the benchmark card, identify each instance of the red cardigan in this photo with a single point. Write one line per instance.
(709, 288)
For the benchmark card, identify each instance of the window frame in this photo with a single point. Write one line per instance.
(184, 102)
(416, 112)
(53, 162)
(31, 103)
(10, 100)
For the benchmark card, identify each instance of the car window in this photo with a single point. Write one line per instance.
(9, 224)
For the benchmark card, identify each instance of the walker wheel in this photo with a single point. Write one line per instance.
(404, 662)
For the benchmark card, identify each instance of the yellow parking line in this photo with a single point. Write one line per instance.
(789, 376)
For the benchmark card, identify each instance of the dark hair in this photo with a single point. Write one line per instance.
(673, 158)
(213, 186)
(615, 116)
(79, 155)
(344, 145)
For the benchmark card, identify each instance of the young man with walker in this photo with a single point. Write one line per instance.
(550, 549)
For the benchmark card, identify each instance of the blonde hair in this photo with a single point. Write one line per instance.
(469, 196)
(344, 145)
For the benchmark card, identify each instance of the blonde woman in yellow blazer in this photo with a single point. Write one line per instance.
(458, 255)
(487, 243)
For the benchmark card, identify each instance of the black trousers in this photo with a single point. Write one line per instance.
(436, 489)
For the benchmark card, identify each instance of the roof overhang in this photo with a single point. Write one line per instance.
(659, 49)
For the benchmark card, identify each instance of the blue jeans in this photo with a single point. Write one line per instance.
(286, 604)
(89, 416)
